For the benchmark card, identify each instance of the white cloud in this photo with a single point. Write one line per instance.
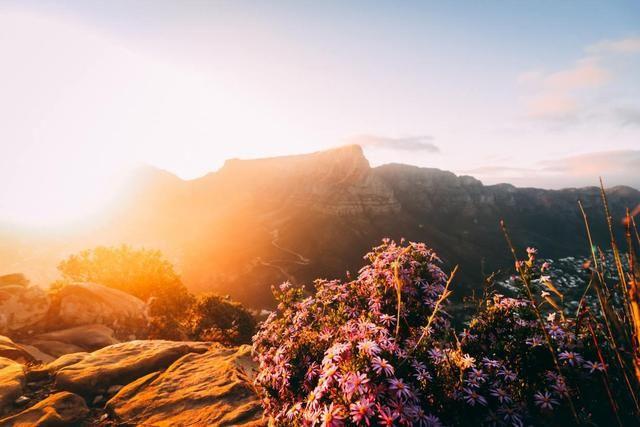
(410, 143)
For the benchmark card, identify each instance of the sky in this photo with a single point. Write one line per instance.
(540, 93)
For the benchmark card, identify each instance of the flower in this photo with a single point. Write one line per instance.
(380, 365)
(368, 347)
(531, 251)
(472, 397)
(386, 416)
(401, 389)
(332, 416)
(500, 394)
(594, 366)
(544, 400)
(361, 411)
(572, 358)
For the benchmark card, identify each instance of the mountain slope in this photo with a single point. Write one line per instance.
(256, 223)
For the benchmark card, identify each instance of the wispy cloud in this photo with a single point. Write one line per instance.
(627, 45)
(410, 143)
(561, 94)
(617, 167)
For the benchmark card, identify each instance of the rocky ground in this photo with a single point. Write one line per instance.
(68, 357)
(143, 382)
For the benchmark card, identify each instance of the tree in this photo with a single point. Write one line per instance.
(143, 273)
(216, 318)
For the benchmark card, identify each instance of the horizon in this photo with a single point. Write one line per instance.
(543, 95)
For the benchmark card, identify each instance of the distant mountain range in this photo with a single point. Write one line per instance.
(256, 223)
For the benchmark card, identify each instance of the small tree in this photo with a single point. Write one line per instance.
(216, 318)
(143, 273)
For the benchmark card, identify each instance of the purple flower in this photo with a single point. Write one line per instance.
(594, 366)
(472, 397)
(572, 358)
(544, 400)
(500, 394)
(401, 389)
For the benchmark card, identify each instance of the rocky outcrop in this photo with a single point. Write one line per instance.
(213, 388)
(21, 306)
(87, 338)
(12, 381)
(13, 351)
(79, 304)
(59, 409)
(120, 364)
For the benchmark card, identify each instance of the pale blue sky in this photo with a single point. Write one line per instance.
(540, 93)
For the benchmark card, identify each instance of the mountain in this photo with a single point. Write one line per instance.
(256, 223)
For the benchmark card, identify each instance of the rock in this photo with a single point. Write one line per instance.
(21, 400)
(12, 380)
(213, 388)
(21, 306)
(89, 303)
(41, 372)
(121, 364)
(13, 351)
(60, 409)
(87, 337)
(36, 353)
(55, 348)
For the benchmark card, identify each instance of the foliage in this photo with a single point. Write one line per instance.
(216, 318)
(340, 357)
(140, 272)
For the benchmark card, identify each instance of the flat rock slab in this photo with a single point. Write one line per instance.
(12, 380)
(60, 409)
(13, 351)
(119, 364)
(213, 388)
(88, 337)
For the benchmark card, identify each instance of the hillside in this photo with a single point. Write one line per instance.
(255, 223)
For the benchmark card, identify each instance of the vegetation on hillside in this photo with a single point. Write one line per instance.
(381, 348)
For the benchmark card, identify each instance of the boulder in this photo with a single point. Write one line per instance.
(212, 388)
(80, 304)
(87, 337)
(119, 364)
(55, 348)
(12, 381)
(21, 307)
(60, 409)
(13, 351)
(36, 353)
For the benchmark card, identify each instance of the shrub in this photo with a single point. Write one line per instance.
(143, 273)
(216, 318)
(380, 350)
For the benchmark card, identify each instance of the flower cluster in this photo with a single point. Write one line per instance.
(381, 350)
(349, 354)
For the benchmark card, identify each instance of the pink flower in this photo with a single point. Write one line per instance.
(386, 416)
(361, 411)
(380, 366)
(368, 347)
(332, 416)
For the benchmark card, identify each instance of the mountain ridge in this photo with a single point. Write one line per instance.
(255, 223)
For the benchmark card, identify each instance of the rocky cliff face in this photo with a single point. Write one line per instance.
(256, 223)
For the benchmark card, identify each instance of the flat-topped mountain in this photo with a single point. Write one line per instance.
(256, 223)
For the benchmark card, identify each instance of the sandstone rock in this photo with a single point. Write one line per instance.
(87, 337)
(51, 368)
(89, 303)
(21, 306)
(12, 380)
(213, 388)
(60, 409)
(121, 364)
(55, 348)
(14, 351)
(37, 354)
